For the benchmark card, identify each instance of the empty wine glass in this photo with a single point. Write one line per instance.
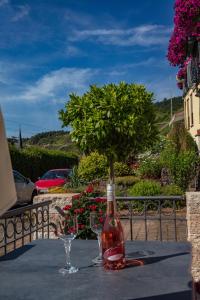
(70, 231)
(96, 225)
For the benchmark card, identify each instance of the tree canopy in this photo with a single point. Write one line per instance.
(115, 120)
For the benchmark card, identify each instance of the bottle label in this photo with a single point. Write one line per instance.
(113, 254)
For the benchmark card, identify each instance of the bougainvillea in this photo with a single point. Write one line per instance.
(181, 76)
(186, 26)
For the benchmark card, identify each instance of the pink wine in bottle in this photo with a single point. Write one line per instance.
(113, 248)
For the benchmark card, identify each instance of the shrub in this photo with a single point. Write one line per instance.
(171, 190)
(82, 206)
(122, 169)
(150, 168)
(145, 188)
(126, 181)
(93, 166)
(182, 165)
(32, 162)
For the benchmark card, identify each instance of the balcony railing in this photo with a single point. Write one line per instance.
(153, 218)
(19, 226)
(143, 218)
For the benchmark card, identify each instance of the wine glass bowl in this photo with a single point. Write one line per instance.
(96, 225)
(67, 235)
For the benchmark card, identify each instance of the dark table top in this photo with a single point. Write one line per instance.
(31, 273)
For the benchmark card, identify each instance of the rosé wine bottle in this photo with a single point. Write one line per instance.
(113, 249)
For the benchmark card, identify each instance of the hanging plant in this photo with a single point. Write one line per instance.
(186, 26)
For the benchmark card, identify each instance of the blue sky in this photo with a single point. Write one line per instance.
(50, 48)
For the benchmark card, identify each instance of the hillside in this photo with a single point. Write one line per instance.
(61, 140)
(163, 112)
(55, 140)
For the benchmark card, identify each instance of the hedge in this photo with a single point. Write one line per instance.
(34, 162)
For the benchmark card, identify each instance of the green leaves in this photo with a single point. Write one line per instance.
(112, 119)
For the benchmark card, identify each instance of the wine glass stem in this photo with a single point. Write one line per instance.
(99, 242)
(67, 245)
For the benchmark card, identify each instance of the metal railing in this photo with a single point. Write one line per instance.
(159, 217)
(143, 218)
(18, 226)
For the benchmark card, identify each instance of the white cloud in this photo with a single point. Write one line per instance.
(144, 35)
(57, 83)
(73, 51)
(78, 18)
(23, 11)
(3, 2)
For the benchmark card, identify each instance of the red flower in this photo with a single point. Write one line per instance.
(89, 189)
(67, 207)
(81, 226)
(71, 230)
(93, 207)
(100, 200)
(101, 220)
(75, 197)
(79, 210)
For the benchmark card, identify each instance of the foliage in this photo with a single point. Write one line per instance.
(150, 167)
(126, 181)
(93, 166)
(182, 165)
(122, 169)
(81, 207)
(32, 162)
(75, 180)
(180, 156)
(36, 139)
(182, 139)
(145, 188)
(171, 190)
(114, 120)
(53, 140)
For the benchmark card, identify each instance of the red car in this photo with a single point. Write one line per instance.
(53, 178)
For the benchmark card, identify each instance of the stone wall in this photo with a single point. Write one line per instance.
(193, 224)
(57, 200)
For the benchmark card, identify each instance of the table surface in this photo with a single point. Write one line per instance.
(31, 273)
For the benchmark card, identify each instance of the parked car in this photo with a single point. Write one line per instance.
(25, 188)
(53, 178)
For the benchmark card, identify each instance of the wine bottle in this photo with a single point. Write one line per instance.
(113, 249)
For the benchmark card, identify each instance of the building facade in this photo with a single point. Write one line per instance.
(191, 94)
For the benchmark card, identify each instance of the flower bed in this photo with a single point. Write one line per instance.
(81, 206)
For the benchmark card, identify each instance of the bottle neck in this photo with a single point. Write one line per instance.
(111, 202)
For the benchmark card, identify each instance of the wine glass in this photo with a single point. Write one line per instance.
(96, 225)
(69, 233)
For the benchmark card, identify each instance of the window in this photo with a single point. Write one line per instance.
(188, 114)
(191, 110)
(18, 177)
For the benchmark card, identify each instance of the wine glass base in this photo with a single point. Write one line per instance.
(68, 270)
(97, 260)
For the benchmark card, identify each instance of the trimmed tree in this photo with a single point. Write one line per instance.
(115, 120)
